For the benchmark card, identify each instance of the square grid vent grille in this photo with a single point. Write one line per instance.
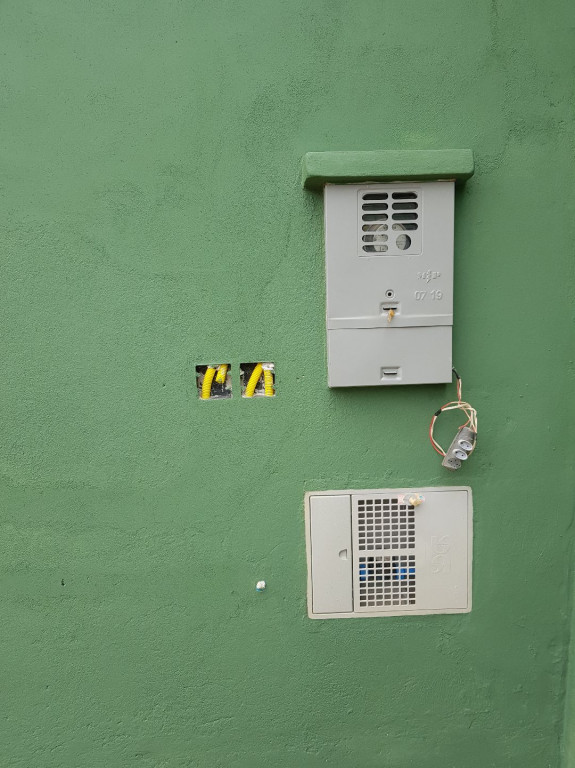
(386, 580)
(390, 221)
(385, 523)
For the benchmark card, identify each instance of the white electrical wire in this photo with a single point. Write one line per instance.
(454, 405)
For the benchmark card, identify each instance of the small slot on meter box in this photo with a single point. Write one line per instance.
(391, 309)
(390, 372)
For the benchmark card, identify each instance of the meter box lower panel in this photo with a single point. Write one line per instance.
(389, 552)
(365, 357)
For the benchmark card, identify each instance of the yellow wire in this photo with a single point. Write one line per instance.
(221, 374)
(253, 380)
(268, 383)
(207, 383)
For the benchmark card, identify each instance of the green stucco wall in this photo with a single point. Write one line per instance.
(569, 723)
(153, 218)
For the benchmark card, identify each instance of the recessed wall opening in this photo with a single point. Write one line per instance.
(258, 379)
(214, 381)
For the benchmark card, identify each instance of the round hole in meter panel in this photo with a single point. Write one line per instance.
(403, 242)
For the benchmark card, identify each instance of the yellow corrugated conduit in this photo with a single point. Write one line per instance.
(221, 374)
(253, 380)
(208, 381)
(268, 380)
(267, 370)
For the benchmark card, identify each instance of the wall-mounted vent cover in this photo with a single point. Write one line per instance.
(374, 553)
(390, 220)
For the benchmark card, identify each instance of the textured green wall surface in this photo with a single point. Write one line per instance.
(569, 723)
(152, 219)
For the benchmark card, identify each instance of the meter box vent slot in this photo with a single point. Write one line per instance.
(389, 552)
(389, 222)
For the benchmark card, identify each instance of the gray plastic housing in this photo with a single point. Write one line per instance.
(459, 449)
(391, 250)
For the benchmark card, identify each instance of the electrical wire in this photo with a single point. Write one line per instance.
(454, 405)
(221, 374)
(253, 380)
(268, 382)
(207, 382)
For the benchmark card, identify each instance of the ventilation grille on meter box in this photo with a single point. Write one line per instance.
(386, 219)
(386, 580)
(385, 523)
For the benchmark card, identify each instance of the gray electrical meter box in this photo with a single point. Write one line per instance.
(389, 262)
(389, 276)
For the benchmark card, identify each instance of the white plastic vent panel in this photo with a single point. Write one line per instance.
(373, 553)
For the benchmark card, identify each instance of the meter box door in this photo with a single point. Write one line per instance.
(389, 278)
(389, 552)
